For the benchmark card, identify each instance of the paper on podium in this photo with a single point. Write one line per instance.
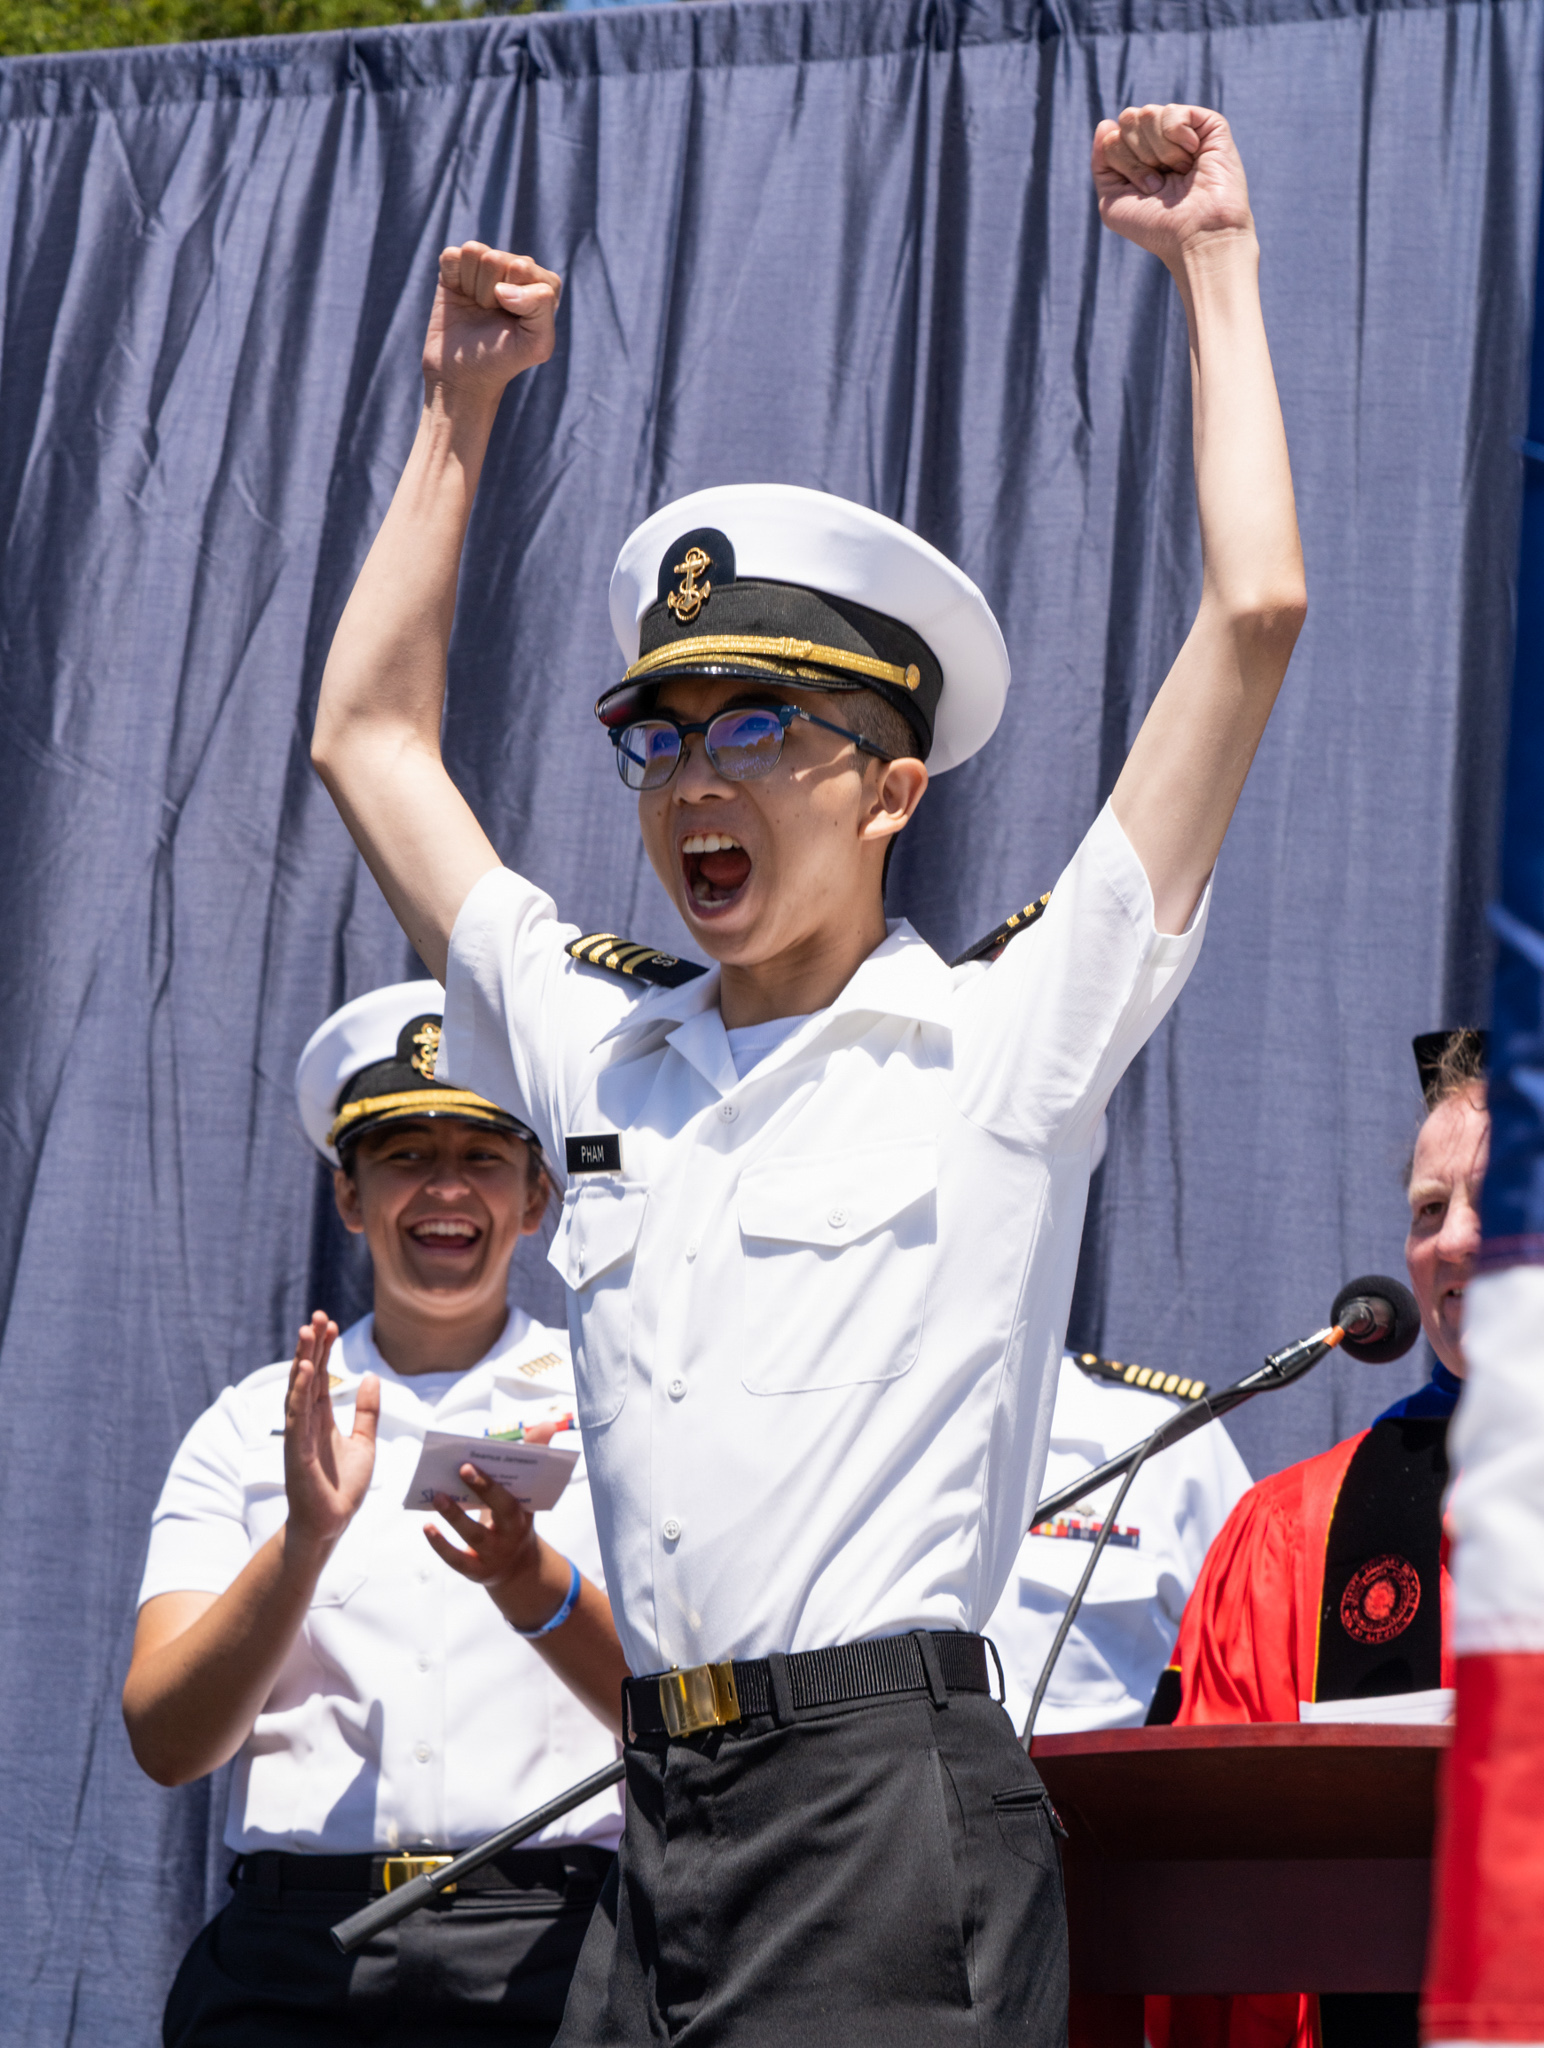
(1411, 1709)
(534, 1473)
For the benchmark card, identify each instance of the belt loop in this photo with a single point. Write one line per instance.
(629, 1734)
(782, 1691)
(267, 1877)
(932, 1670)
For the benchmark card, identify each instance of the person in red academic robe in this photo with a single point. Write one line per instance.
(1327, 1588)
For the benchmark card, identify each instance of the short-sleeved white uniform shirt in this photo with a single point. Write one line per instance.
(817, 1311)
(407, 1712)
(1124, 1632)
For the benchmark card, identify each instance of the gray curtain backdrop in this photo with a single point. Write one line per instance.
(847, 243)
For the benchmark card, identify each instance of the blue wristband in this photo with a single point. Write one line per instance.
(570, 1602)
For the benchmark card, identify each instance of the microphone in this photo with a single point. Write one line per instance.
(1374, 1319)
(1379, 1318)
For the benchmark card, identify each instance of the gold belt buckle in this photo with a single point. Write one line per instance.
(703, 1696)
(403, 1869)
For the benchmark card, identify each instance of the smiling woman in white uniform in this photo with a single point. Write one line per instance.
(292, 1615)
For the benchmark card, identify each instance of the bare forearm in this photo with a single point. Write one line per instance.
(1252, 557)
(191, 1701)
(387, 664)
(1181, 782)
(584, 1652)
(587, 1656)
(377, 739)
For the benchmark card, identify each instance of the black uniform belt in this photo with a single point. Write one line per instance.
(716, 1695)
(553, 1870)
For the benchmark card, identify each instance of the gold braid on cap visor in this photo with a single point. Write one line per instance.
(458, 1101)
(699, 647)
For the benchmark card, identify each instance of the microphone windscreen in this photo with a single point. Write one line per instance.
(1405, 1322)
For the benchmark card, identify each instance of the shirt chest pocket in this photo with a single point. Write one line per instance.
(593, 1248)
(838, 1260)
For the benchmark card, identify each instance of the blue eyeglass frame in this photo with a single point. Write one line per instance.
(785, 714)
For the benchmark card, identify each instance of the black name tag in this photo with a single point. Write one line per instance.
(601, 1154)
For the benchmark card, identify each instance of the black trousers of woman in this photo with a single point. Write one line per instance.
(481, 1966)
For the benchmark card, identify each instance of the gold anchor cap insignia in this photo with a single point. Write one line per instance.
(427, 1039)
(689, 600)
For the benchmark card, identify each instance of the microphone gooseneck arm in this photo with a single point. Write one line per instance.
(1280, 1369)
(1106, 1530)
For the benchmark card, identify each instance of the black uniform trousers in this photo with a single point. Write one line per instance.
(475, 1968)
(884, 1875)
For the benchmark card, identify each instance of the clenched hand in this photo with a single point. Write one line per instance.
(494, 315)
(1170, 177)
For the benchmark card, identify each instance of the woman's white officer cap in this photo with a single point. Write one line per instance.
(796, 586)
(372, 1063)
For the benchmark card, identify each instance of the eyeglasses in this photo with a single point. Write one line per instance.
(742, 745)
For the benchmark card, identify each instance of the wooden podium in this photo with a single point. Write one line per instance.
(1275, 1857)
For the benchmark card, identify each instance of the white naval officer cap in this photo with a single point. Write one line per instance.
(774, 581)
(372, 1063)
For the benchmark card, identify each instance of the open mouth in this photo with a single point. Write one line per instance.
(444, 1235)
(716, 867)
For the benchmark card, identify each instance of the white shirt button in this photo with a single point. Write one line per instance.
(423, 1752)
(837, 1218)
(423, 1662)
(677, 1389)
(728, 1111)
(691, 1247)
(670, 1529)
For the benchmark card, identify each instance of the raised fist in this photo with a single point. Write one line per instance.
(494, 316)
(1169, 177)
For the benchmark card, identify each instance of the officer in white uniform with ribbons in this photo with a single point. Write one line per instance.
(1121, 1640)
(378, 1708)
(823, 1201)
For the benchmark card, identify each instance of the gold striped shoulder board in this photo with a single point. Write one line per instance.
(989, 947)
(640, 963)
(1115, 1374)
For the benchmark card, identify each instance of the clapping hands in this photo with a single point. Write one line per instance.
(525, 1578)
(326, 1474)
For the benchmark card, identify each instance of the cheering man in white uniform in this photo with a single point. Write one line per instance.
(824, 1200)
(293, 1616)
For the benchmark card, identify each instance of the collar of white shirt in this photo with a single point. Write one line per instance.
(902, 977)
(521, 1342)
